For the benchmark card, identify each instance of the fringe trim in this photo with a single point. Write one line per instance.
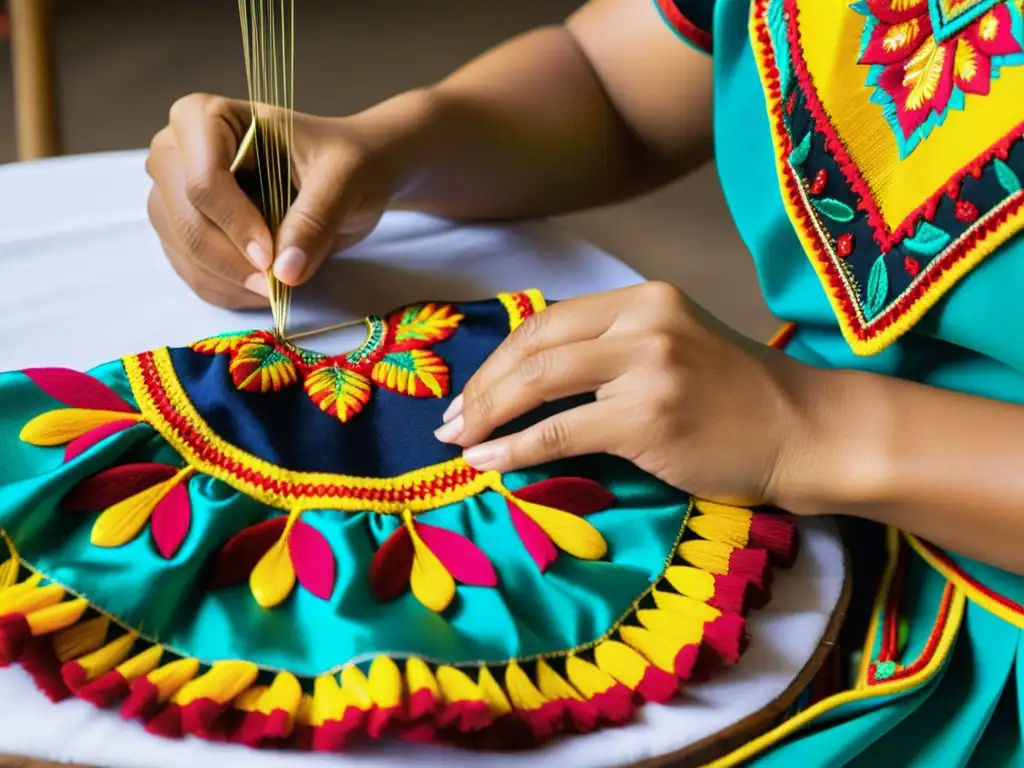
(686, 626)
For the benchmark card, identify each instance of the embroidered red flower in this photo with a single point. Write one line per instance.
(395, 356)
(820, 180)
(925, 54)
(966, 210)
(912, 265)
(844, 245)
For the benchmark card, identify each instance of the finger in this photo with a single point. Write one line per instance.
(196, 237)
(567, 322)
(207, 131)
(312, 223)
(206, 284)
(549, 375)
(587, 429)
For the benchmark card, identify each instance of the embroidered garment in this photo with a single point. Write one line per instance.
(871, 155)
(245, 540)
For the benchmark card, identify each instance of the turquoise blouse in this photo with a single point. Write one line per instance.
(870, 154)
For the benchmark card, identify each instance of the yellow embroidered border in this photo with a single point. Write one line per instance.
(969, 588)
(862, 340)
(521, 305)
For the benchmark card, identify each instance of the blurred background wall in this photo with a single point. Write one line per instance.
(122, 63)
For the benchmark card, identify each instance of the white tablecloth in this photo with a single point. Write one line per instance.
(82, 281)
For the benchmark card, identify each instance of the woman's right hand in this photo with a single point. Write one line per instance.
(214, 236)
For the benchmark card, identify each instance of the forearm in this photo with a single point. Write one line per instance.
(535, 127)
(946, 466)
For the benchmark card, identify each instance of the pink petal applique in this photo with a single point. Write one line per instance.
(897, 10)
(107, 488)
(171, 520)
(537, 543)
(890, 44)
(460, 557)
(391, 566)
(77, 390)
(312, 559)
(993, 32)
(80, 445)
(243, 551)
(576, 495)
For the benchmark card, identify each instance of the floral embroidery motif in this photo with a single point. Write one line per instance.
(395, 356)
(926, 56)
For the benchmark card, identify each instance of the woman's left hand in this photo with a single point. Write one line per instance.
(677, 393)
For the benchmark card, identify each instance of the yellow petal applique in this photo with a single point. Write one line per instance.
(273, 578)
(571, 533)
(430, 581)
(8, 573)
(122, 522)
(66, 424)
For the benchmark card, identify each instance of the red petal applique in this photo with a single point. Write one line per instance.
(890, 44)
(391, 567)
(576, 495)
(171, 520)
(111, 486)
(537, 543)
(312, 559)
(80, 445)
(239, 556)
(993, 32)
(461, 558)
(77, 390)
(897, 10)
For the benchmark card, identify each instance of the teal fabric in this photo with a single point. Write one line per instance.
(529, 613)
(970, 342)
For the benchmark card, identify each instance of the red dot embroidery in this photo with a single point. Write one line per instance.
(966, 210)
(844, 245)
(820, 180)
(912, 265)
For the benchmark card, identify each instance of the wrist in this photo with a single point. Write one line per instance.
(837, 457)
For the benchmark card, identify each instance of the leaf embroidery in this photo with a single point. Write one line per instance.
(833, 209)
(107, 488)
(338, 391)
(258, 366)
(1007, 178)
(171, 520)
(538, 544)
(313, 560)
(81, 444)
(239, 555)
(461, 557)
(77, 390)
(430, 581)
(423, 325)
(923, 73)
(391, 566)
(124, 521)
(273, 578)
(578, 495)
(222, 342)
(878, 288)
(928, 240)
(417, 373)
(799, 155)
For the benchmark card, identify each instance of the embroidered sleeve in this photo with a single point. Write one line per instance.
(690, 19)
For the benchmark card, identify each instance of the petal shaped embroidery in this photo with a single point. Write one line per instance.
(171, 521)
(273, 578)
(80, 445)
(338, 391)
(430, 581)
(462, 558)
(257, 365)
(312, 559)
(570, 533)
(77, 390)
(107, 488)
(391, 567)
(122, 522)
(537, 543)
(993, 33)
(224, 342)
(578, 495)
(239, 556)
(67, 424)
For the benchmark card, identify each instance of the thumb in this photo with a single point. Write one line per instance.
(311, 225)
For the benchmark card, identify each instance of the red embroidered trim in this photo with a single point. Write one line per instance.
(947, 562)
(684, 26)
(837, 287)
(930, 647)
(885, 238)
(198, 443)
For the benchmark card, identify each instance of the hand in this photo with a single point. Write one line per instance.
(677, 393)
(214, 236)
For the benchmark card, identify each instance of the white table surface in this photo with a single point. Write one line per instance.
(82, 281)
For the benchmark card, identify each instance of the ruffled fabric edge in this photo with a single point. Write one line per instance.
(687, 625)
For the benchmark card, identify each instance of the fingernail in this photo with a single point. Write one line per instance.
(290, 265)
(449, 433)
(482, 456)
(259, 256)
(257, 283)
(455, 409)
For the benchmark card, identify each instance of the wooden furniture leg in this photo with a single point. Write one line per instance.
(35, 108)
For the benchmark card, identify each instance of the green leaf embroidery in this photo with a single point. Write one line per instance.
(776, 17)
(802, 150)
(878, 288)
(834, 209)
(928, 240)
(1006, 176)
